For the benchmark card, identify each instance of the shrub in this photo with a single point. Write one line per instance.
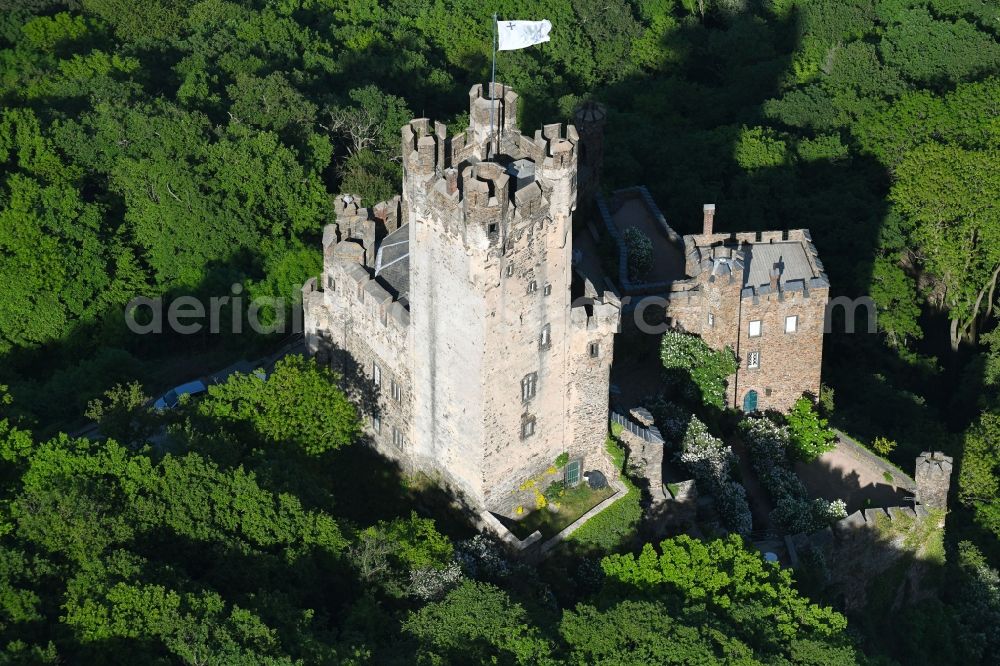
(768, 444)
(696, 369)
(810, 435)
(639, 250)
(711, 463)
(883, 446)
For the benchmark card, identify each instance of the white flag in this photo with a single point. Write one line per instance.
(521, 34)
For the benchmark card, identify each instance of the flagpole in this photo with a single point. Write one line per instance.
(493, 82)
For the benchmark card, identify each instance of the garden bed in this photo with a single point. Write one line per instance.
(560, 513)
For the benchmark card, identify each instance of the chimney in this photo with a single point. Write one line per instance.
(775, 274)
(709, 210)
(451, 180)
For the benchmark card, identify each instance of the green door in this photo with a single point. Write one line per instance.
(750, 401)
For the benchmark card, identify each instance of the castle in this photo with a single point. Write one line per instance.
(489, 356)
(486, 349)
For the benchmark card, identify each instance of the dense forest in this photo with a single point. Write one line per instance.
(175, 147)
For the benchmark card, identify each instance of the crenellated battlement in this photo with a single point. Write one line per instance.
(365, 226)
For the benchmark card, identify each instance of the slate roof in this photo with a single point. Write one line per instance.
(395, 272)
(789, 256)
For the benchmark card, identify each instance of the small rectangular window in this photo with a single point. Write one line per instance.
(331, 284)
(376, 423)
(791, 324)
(711, 320)
(532, 287)
(397, 392)
(753, 359)
(376, 374)
(510, 270)
(595, 349)
(527, 426)
(493, 229)
(397, 438)
(755, 328)
(529, 386)
(547, 290)
(545, 341)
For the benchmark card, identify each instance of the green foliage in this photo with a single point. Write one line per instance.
(476, 623)
(944, 190)
(698, 371)
(299, 404)
(758, 147)
(123, 414)
(636, 633)
(810, 436)
(561, 460)
(615, 527)
(747, 598)
(883, 447)
(979, 475)
(938, 52)
(639, 250)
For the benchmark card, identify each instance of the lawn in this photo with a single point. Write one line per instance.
(572, 503)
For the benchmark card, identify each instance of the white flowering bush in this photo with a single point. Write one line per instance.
(695, 369)
(731, 502)
(482, 557)
(430, 584)
(671, 418)
(711, 463)
(768, 444)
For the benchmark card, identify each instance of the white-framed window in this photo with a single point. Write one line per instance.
(376, 423)
(397, 438)
(545, 341)
(753, 359)
(711, 319)
(394, 388)
(755, 328)
(547, 290)
(527, 426)
(529, 386)
(791, 323)
(594, 349)
(376, 374)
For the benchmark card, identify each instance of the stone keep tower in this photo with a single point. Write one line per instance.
(507, 374)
